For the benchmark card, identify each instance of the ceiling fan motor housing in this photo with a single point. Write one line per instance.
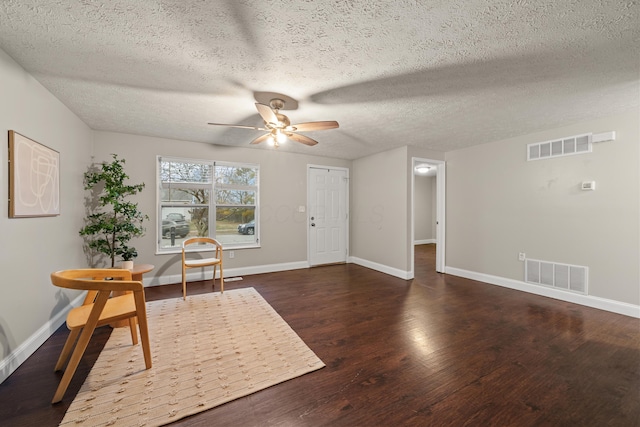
(283, 120)
(276, 103)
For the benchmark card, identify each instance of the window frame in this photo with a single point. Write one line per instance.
(212, 205)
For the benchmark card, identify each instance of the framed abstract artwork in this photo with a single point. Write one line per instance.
(34, 178)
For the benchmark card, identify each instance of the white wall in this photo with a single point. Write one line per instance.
(380, 210)
(498, 204)
(424, 208)
(283, 188)
(31, 307)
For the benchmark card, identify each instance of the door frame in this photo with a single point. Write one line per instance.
(440, 212)
(347, 201)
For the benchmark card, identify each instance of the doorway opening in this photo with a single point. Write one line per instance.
(428, 209)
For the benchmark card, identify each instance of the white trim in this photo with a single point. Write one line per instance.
(17, 357)
(586, 300)
(228, 272)
(424, 242)
(405, 275)
(441, 216)
(270, 268)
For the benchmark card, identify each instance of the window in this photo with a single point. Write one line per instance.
(236, 189)
(195, 193)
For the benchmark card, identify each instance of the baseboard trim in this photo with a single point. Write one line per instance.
(586, 300)
(424, 242)
(21, 353)
(405, 275)
(200, 274)
(11, 362)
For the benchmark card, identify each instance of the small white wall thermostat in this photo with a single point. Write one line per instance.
(588, 185)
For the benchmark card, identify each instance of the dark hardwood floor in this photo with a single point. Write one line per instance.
(435, 351)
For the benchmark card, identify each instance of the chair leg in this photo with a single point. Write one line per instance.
(81, 346)
(144, 328)
(213, 279)
(66, 350)
(221, 280)
(133, 329)
(184, 282)
(74, 361)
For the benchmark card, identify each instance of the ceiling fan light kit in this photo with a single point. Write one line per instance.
(279, 126)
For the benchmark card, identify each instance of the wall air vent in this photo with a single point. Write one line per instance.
(568, 146)
(566, 277)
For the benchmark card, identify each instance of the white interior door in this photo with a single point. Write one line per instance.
(328, 215)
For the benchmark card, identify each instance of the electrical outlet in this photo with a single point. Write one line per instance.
(232, 254)
(521, 256)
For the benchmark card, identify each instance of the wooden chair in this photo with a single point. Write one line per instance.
(99, 309)
(201, 262)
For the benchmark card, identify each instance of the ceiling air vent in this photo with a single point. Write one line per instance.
(567, 277)
(568, 146)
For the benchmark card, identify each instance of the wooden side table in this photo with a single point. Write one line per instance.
(136, 274)
(139, 269)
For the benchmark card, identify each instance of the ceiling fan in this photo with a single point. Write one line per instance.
(279, 127)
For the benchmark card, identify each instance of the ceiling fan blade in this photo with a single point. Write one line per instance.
(303, 139)
(261, 138)
(238, 126)
(267, 114)
(310, 126)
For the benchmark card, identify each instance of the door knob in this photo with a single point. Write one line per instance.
(313, 224)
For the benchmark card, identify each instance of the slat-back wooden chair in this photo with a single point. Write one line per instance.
(99, 309)
(214, 261)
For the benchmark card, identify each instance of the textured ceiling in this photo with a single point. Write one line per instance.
(438, 74)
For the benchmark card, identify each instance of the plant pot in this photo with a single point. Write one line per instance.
(127, 265)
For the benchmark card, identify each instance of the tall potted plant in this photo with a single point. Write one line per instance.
(113, 221)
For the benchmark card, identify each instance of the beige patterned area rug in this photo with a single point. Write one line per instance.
(207, 350)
